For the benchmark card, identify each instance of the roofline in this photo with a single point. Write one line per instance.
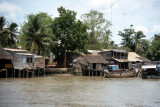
(11, 49)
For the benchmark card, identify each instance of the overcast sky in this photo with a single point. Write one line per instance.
(143, 14)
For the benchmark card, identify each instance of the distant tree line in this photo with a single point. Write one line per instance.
(42, 34)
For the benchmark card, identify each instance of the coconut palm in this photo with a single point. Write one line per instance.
(138, 39)
(2, 23)
(8, 35)
(35, 34)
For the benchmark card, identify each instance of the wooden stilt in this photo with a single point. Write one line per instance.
(44, 71)
(14, 73)
(6, 73)
(27, 74)
(89, 72)
(38, 72)
(19, 73)
(92, 73)
(23, 73)
(96, 72)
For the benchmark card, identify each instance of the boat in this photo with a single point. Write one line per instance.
(151, 72)
(112, 71)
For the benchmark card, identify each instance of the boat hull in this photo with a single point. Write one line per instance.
(122, 75)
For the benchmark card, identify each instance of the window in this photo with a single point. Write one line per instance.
(29, 60)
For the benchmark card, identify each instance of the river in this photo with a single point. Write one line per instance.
(79, 91)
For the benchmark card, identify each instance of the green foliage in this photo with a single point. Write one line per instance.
(70, 33)
(98, 29)
(127, 38)
(36, 33)
(8, 35)
(138, 40)
(154, 51)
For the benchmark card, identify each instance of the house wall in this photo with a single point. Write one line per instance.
(20, 61)
(98, 66)
(91, 66)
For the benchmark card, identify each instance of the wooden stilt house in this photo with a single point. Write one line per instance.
(6, 63)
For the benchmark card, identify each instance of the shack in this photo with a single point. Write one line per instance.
(91, 64)
(6, 63)
(23, 59)
(116, 57)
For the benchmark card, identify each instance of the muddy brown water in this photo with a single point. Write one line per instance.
(79, 91)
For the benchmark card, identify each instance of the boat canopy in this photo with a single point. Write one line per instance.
(149, 67)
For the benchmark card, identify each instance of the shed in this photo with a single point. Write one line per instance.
(23, 58)
(95, 61)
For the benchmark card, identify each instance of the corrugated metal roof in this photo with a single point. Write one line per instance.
(10, 49)
(25, 54)
(133, 57)
(121, 60)
(94, 52)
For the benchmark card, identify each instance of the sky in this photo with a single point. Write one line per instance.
(144, 15)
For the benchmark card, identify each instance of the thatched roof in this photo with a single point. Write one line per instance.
(5, 55)
(133, 57)
(82, 60)
(95, 59)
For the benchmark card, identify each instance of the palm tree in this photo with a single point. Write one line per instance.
(35, 34)
(138, 39)
(7, 35)
(2, 23)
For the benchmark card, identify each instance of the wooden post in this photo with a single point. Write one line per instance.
(92, 72)
(96, 72)
(32, 73)
(6, 73)
(27, 74)
(14, 73)
(23, 73)
(89, 72)
(38, 72)
(19, 73)
(44, 71)
(100, 73)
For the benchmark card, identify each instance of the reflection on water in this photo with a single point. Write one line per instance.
(79, 91)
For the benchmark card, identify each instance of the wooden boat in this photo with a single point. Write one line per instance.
(113, 72)
(121, 75)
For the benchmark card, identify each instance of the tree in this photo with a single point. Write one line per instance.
(154, 51)
(145, 45)
(138, 39)
(8, 35)
(97, 28)
(36, 33)
(70, 33)
(127, 38)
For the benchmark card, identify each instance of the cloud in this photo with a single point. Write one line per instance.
(9, 10)
(156, 28)
(135, 7)
(99, 3)
(142, 28)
